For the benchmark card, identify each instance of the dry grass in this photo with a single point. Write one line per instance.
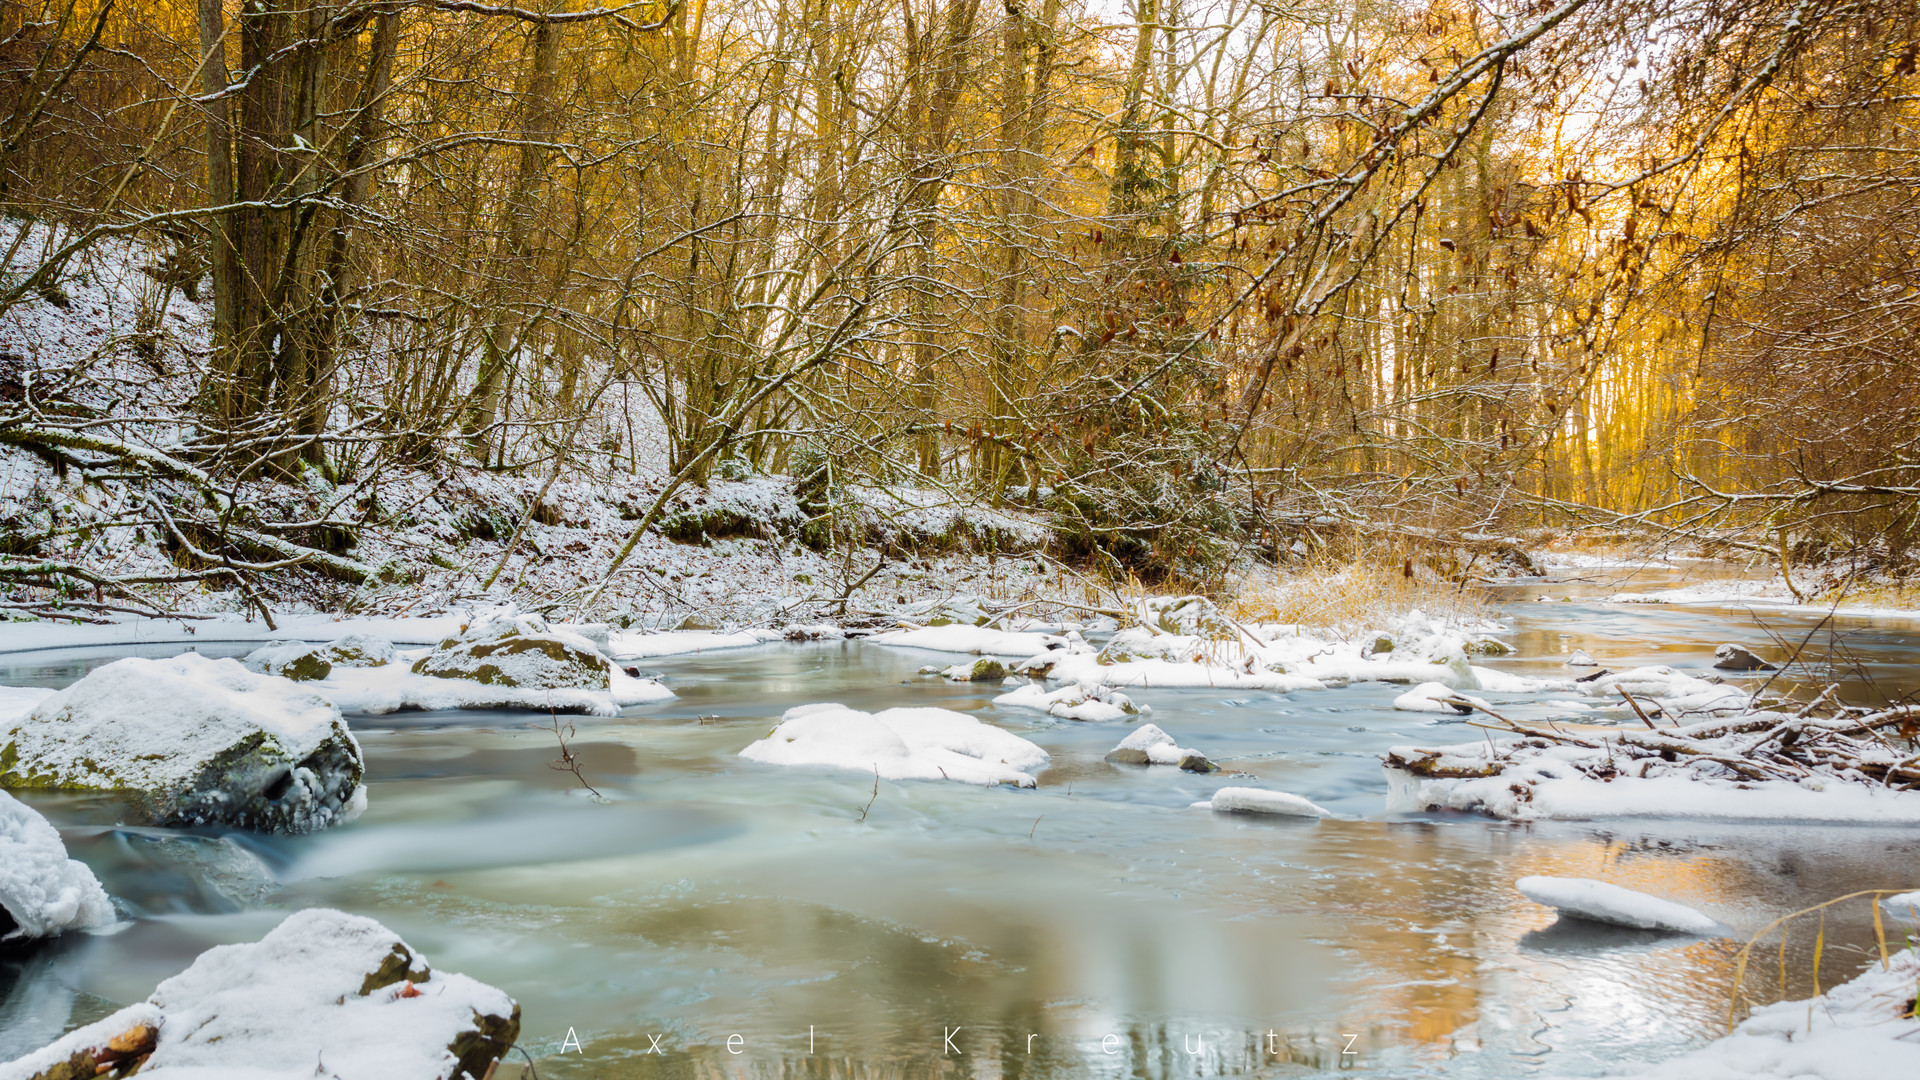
(1740, 995)
(1347, 598)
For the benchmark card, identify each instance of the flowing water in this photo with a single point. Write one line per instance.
(713, 916)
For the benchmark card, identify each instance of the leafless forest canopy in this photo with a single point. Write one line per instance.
(1193, 278)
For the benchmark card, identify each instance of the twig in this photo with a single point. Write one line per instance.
(568, 761)
(876, 792)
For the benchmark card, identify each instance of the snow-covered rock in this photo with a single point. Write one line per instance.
(1246, 800)
(1436, 697)
(324, 993)
(519, 652)
(302, 661)
(1598, 901)
(900, 744)
(1148, 745)
(1731, 657)
(1861, 1030)
(1074, 702)
(192, 741)
(1581, 658)
(505, 661)
(985, 669)
(42, 892)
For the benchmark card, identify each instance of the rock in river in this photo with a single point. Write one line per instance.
(304, 662)
(192, 741)
(323, 994)
(1731, 657)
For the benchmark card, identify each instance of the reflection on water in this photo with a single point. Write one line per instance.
(1095, 927)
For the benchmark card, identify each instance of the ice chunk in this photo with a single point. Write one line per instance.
(1597, 901)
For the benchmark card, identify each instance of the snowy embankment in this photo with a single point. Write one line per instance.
(1758, 766)
(1864, 1029)
(323, 994)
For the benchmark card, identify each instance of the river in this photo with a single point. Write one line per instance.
(709, 916)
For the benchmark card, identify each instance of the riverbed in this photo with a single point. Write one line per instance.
(705, 915)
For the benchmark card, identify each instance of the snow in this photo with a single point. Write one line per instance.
(1246, 800)
(42, 891)
(900, 744)
(1157, 745)
(1436, 697)
(1860, 1030)
(974, 640)
(291, 1004)
(1074, 702)
(169, 732)
(636, 645)
(1598, 901)
(1581, 658)
(1907, 903)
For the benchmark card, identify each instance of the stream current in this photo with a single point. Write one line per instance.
(1094, 927)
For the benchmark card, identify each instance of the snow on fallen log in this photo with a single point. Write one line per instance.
(192, 741)
(1851, 766)
(323, 994)
(900, 744)
(1598, 901)
(42, 891)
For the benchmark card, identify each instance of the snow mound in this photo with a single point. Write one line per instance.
(1436, 697)
(1860, 1030)
(42, 892)
(193, 741)
(630, 645)
(1246, 800)
(1597, 901)
(323, 992)
(1074, 702)
(1148, 745)
(900, 744)
(973, 640)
